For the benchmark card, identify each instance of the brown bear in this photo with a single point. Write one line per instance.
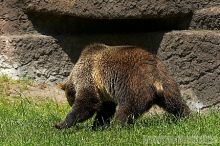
(121, 80)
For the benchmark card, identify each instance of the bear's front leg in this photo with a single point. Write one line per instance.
(83, 109)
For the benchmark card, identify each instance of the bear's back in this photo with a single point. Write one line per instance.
(117, 69)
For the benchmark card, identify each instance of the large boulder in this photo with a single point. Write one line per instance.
(38, 57)
(13, 20)
(120, 9)
(206, 18)
(194, 59)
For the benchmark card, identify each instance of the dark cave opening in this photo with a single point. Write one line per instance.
(64, 24)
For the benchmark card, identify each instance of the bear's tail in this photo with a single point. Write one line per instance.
(61, 85)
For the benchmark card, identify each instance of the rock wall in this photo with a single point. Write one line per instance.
(194, 59)
(43, 39)
(37, 56)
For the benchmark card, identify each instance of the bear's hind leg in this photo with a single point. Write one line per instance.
(172, 102)
(128, 112)
(104, 114)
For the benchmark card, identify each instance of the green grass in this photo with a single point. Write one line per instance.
(27, 122)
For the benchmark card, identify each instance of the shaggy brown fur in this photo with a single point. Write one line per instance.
(124, 76)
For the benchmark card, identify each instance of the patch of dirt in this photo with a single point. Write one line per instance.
(39, 92)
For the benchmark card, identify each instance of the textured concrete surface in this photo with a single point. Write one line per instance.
(119, 8)
(194, 59)
(207, 18)
(13, 20)
(37, 56)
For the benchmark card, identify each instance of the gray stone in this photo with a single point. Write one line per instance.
(119, 8)
(193, 58)
(207, 18)
(36, 56)
(13, 20)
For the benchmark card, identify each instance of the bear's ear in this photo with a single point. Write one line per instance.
(61, 86)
